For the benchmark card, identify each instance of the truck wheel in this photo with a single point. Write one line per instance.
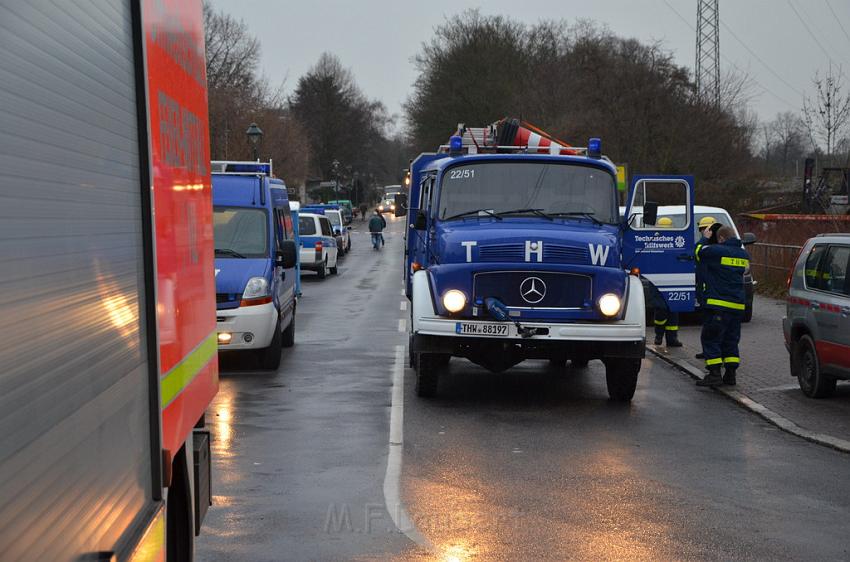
(289, 333)
(579, 362)
(621, 376)
(427, 374)
(813, 382)
(323, 269)
(270, 356)
(180, 532)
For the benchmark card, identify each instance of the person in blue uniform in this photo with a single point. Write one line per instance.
(666, 321)
(708, 228)
(723, 301)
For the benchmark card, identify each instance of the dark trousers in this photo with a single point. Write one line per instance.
(666, 322)
(721, 332)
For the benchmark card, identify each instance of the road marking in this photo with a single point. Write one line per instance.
(403, 305)
(402, 325)
(392, 478)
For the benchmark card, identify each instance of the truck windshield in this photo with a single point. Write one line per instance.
(528, 188)
(240, 232)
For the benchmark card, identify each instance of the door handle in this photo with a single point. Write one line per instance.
(685, 257)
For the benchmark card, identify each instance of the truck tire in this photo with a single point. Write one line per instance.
(180, 532)
(289, 332)
(748, 312)
(270, 356)
(579, 362)
(323, 269)
(806, 366)
(621, 376)
(427, 374)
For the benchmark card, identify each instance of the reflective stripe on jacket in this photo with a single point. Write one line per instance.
(723, 275)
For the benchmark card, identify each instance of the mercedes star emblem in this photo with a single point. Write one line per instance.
(532, 290)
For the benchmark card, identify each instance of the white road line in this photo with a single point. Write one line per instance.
(403, 305)
(392, 478)
(402, 325)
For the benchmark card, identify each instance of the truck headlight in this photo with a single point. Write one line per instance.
(454, 300)
(609, 304)
(256, 287)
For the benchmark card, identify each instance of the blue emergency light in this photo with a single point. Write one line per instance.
(455, 145)
(594, 147)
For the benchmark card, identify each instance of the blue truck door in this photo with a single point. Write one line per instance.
(664, 250)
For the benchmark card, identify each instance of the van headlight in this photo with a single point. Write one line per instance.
(256, 287)
(454, 300)
(609, 304)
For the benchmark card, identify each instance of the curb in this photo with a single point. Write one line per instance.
(778, 420)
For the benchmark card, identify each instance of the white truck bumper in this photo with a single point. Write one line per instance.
(258, 321)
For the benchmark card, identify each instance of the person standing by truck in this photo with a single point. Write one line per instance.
(666, 322)
(724, 303)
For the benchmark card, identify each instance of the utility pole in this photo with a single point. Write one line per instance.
(708, 51)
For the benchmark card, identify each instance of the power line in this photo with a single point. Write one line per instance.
(837, 19)
(813, 36)
(728, 60)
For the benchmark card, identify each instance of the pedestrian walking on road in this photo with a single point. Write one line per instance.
(363, 208)
(376, 226)
(724, 301)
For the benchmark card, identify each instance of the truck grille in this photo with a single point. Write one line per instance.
(552, 253)
(565, 254)
(560, 290)
(502, 252)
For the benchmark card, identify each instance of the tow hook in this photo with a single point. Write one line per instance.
(499, 311)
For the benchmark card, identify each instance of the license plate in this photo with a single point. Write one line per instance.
(479, 329)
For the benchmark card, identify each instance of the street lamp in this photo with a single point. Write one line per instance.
(254, 135)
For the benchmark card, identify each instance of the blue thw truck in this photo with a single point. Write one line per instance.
(515, 249)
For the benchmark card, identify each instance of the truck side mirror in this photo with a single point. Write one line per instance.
(650, 213)
(420, 222)
(287, 256)
(748, 238)
(400, 205)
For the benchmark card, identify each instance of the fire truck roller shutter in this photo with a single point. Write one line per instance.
(75, 450)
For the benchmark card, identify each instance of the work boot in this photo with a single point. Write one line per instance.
(673, 340)
(659, 340)
(713, 378)
(729, 376)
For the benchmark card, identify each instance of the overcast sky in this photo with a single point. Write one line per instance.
(378, 38)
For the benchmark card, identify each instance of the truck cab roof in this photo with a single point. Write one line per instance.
(442, 163)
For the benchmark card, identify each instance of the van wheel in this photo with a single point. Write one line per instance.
(806, 367)
(289, 332)
(335, 269)
(427, 374)
(323, 270)
(270, 356)
(621, 376)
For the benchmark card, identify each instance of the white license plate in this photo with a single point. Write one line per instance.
(479, 329)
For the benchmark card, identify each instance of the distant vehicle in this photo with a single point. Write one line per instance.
(347, 209)
(677, 214)
(255, 260)
(342, 232)
(817, 322)
(387, 205)
(318, 246)
(390, 190)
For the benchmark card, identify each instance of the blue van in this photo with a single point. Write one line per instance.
(255, 261)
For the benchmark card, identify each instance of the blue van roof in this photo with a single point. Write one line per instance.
(441, 163)
(244, 190)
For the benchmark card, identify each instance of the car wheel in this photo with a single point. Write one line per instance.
(323, 269)
(289, 333)
(427, 374)
(270, 356)
(813, 382)
(335, 268)
(748, 312)
(621, 375)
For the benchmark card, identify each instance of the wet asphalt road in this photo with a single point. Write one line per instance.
(531, 464)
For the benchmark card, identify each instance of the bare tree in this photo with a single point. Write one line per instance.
(827, 115)
(787, 130)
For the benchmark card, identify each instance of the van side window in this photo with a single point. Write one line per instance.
(326, 226)
(811, 273)
(833, 270)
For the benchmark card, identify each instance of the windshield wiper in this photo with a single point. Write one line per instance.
(228, 252)
(473, 212)
(538, 212)
(585, 214)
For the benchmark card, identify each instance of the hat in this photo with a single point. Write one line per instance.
(706, 221)
(664, 221)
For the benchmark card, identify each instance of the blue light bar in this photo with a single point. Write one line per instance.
(594, 147)
(455, 144)
(252, 168)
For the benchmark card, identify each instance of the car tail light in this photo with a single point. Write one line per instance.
(319, 250)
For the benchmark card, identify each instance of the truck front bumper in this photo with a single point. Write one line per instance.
(553, 340)
(250, 327)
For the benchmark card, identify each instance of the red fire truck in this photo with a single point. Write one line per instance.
(107, 292)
